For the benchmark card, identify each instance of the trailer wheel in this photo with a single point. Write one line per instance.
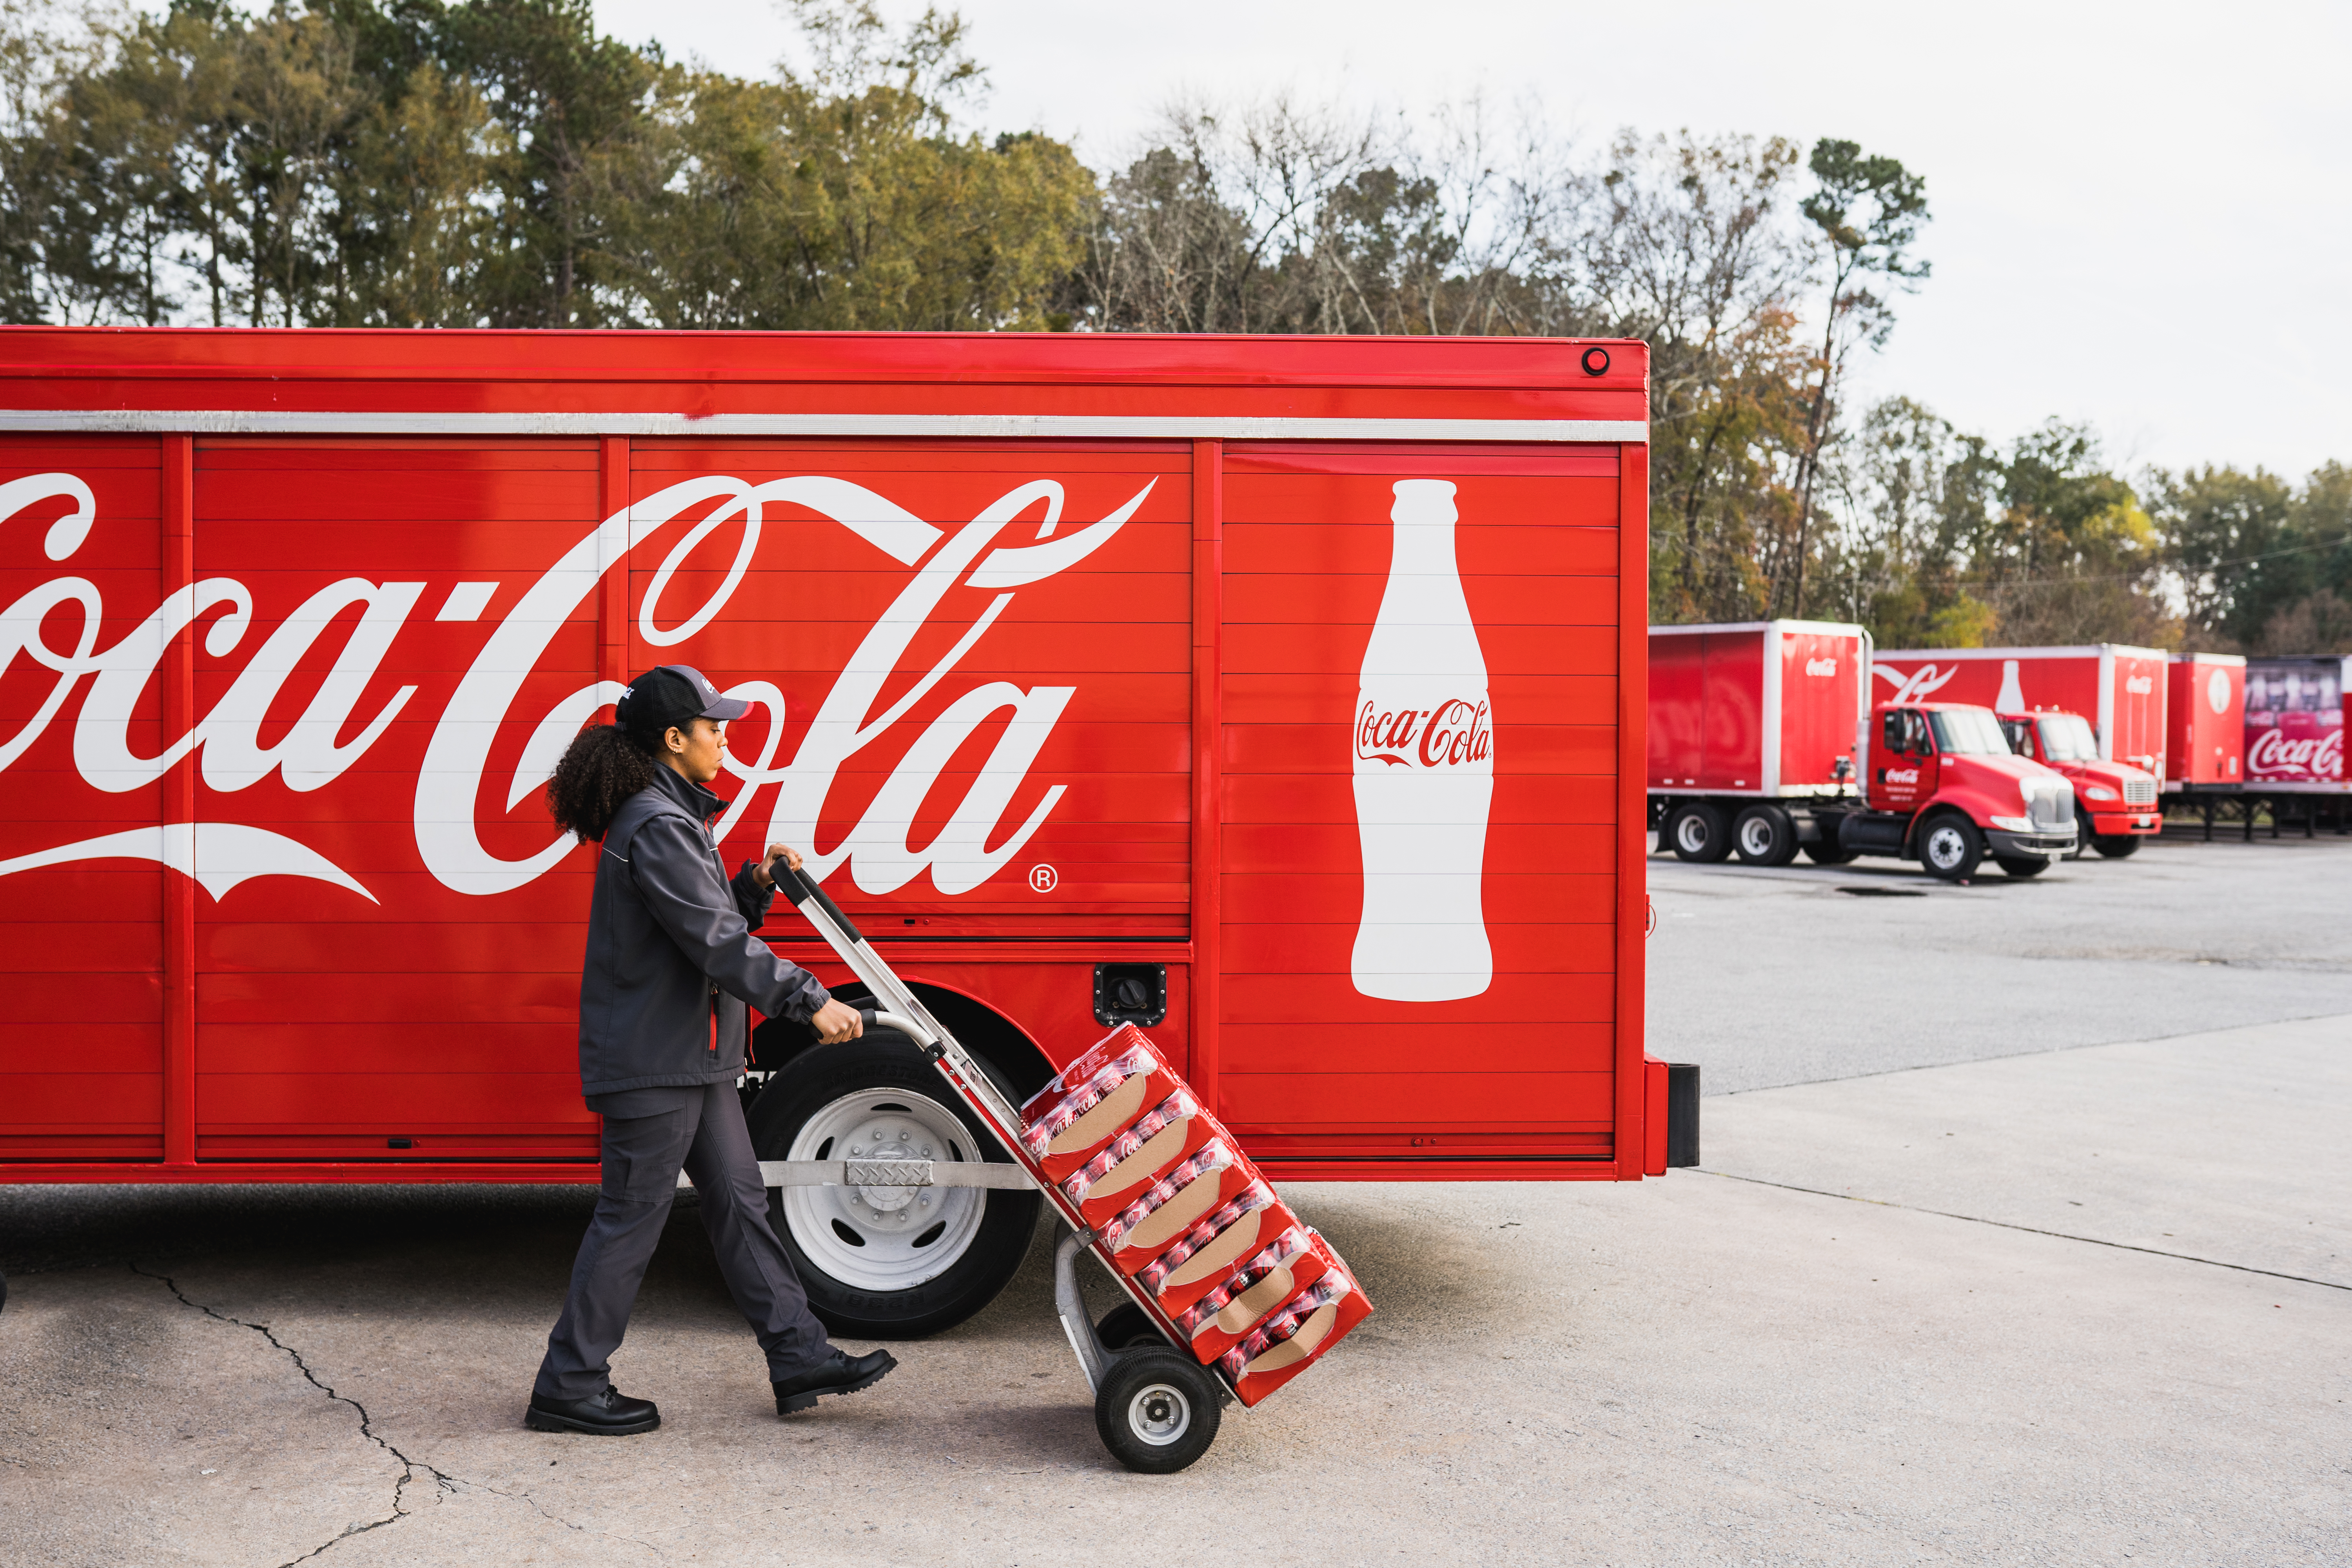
(1697, 833)
(897, 1262)
(1765, 835)
(2114, 845)
(2022, 865)
(1950, 847)
(1157, 1410)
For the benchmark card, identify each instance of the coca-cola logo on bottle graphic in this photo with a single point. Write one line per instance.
(1424, 770)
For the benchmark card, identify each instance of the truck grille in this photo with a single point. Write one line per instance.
(2139, 792)
(2050, 802)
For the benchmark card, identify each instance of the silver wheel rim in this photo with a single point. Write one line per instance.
(884, 1124)
(1690, 833)
(1945, 848)
(1756, 837)
(1158, 1413)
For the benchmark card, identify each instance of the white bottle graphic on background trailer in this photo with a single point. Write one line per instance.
(2012, 695)
(1425, 765)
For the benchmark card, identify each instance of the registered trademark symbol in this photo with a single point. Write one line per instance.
(1042, 879)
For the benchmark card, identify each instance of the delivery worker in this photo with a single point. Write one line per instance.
(671, 963)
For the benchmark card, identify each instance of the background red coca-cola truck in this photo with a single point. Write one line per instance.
(1764, 743)
(1284, 695)
(2094, 713)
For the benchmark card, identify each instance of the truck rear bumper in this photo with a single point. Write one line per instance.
(2050, 843)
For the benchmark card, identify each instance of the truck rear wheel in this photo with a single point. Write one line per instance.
(897, 1262)
(1765, 835)
(1950, 847)
(1697, 833)
(2114, 845)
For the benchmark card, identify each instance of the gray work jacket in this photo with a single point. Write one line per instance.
(670, 946)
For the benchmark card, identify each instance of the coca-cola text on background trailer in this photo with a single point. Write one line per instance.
(1424, 770)
(2294, 720)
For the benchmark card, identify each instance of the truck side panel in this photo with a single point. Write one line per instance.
(1309, 1067)
(1731, 722)
(1821, 684)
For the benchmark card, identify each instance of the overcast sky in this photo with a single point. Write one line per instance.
(2141, 212)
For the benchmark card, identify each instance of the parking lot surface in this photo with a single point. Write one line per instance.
(2007, 1249)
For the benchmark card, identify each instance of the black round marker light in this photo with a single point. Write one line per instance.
(1596, 362)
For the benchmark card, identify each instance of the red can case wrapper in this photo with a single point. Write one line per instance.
(1225, 1315)
(1174, 1203)
(1171, 1131)
(1206, 1255)
(1101, 1094)
(1296, 1335)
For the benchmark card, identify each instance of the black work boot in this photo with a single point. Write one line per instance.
(836, 1374)
(609, 1414)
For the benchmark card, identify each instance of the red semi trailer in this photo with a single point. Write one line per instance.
(2205, 723)
(1760, 731)
(1283, 696)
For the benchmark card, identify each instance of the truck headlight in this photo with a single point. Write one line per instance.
(2013, 823)
(2096, 793)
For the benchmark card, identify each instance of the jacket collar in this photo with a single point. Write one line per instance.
(693, 797)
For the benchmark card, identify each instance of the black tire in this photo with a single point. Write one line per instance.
(1125, 1327)
(1697, 833)
(1157, 1410)
(2115, 846)
(1824, 853)
(2023, 865)
(1950, 847)
(887, 1068)
(1765, 835)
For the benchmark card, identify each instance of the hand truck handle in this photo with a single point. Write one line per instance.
(800, 888)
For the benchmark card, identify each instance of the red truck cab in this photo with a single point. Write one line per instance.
(1942, 787)
(2115, 803)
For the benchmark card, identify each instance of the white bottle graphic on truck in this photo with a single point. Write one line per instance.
(1424, 766)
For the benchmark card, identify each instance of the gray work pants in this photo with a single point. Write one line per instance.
(701, 1130)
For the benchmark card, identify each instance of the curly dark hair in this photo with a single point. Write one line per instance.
(602, 767)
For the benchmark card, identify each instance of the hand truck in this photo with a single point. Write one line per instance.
(1156, 1408)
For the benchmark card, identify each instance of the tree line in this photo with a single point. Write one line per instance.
(500, 163)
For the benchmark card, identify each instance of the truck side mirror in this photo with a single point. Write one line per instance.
(1896, 734)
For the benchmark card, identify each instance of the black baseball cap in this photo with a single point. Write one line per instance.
(673, 695)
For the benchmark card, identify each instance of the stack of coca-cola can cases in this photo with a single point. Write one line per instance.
(1174, 1205)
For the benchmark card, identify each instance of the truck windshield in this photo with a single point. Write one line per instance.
(1969, 732)
(2067, 738)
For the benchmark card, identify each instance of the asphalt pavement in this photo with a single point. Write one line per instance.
(2023, 1239)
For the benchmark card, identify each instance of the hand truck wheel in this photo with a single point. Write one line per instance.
(1157, 1410)
(1125, 1327)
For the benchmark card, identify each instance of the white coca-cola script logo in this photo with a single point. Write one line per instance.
(1820, 667)
(1902, 776)
(1456, 731)
(1918, 685)
(2311, 756)
(232, 757)
(2139, 685)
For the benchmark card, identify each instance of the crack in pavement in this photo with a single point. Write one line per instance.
(443, 1481)
(2029, 1229)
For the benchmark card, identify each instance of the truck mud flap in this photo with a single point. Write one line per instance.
(1682, 1114)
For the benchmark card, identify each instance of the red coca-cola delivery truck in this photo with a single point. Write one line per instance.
(2095, 713)
(1764, 743)
(1280, 696)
